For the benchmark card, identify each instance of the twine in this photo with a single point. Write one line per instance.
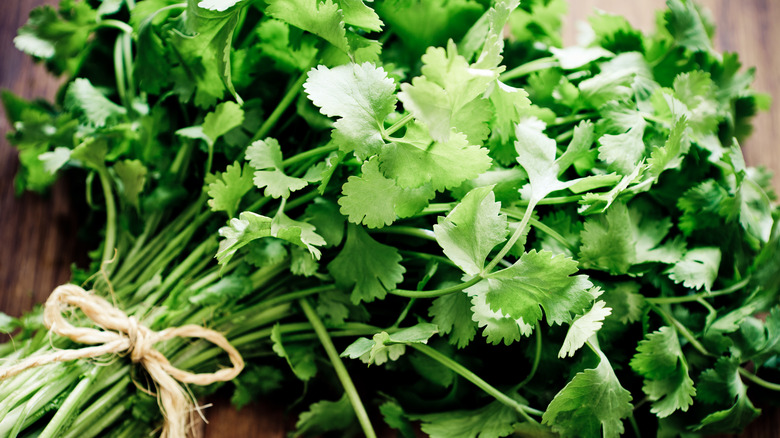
(122, 333)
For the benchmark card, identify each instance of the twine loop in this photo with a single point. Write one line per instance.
(121, 334)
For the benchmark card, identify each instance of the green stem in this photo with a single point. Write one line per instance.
(571, 119)
(515, 237)
(338, 366)
(757, 380)
(681, 329)
(316, 152)
(537, 358)
(301, 200)
(116, 24)
(396, 126)
(476, 380)
(528, 68)
(421, 233)
(552, 201)
(110, 242)
(439, 208)
(634, 426)
(435, 293)
(127, 52)
(565, 136)
(426, 256)
(291, 94)
(542, 227)
(695, 297)
(119, 76)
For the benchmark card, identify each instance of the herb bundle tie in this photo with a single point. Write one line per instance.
(122, 333)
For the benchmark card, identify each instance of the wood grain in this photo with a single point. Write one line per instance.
(38, 233)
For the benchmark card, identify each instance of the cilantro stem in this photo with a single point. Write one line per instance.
(116, 24)
(681, 329)
(537, 358)
(426, 256)
(757, 380)
(396, 126)
(565, 136)
(70, 406)
(435, 293)
(544, 228)
(127, 52)
(695, 297)
(338, 366)
(291, 94)
(528, 68)
(422, 233)
(634, 426)
(119, 75)
(301, 200)
(316, 152)
(110, 242)
(552, 201)
(467, 374)
(572, 118)
(512, 240)
(442, 207)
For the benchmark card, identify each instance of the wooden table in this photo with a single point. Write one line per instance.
(38, 233)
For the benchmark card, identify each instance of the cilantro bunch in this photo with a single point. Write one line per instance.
(518, 238)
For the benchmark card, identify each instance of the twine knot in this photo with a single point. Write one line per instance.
(122, 333)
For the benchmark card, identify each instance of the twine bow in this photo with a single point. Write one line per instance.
(123, 333)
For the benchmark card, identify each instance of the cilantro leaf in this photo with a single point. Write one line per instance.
(661, 361)
(536, 153)
(362, 96)
(323, 18)
(132, 174)
(452, 314)
(494, 420)
(93, 107)
(266, 157)
(471, 230)
(538, 280)
(239, 232)
(447, 88)
(228, 189)
(226, 116)
(591, 404)
(326, 416)
(375, 201)
(366, 266)
(496, 327)
(698, 268)
(383, 346)
(583, 327)
(299, 357)
(723, 383)
(444, 164)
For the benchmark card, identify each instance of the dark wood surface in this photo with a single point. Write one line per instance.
(38, 233)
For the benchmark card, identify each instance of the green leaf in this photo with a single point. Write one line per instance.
(217, 5)
(366, 266)
(661, 361)
(583, 327)
(299, 357)
(266, 157)
(326, 416)
(373, 200)
(132, 175)
(622, 152)
(494, 420)
(395, 417)
(60, 38)
(362, 96)
(575, 57)
(497, 327)
(472, 229)
(92, 107)
(54, 160)
(698, 268)
(625, 300)
(538, 280)
(536, 153)
(356, 13)
(687, 26)
(322, 18)
(448, 86)
(299, 233)
(226, 116)
(383, 346)
(723, 383)
(228, 189)
(239, 232)
(442, 164)
(592, 404)
(452, 314)
(227, 289)
(623, 237)
(671, 154)
(8, 323)
(92, 153)
(324, 215)
(275, 42)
